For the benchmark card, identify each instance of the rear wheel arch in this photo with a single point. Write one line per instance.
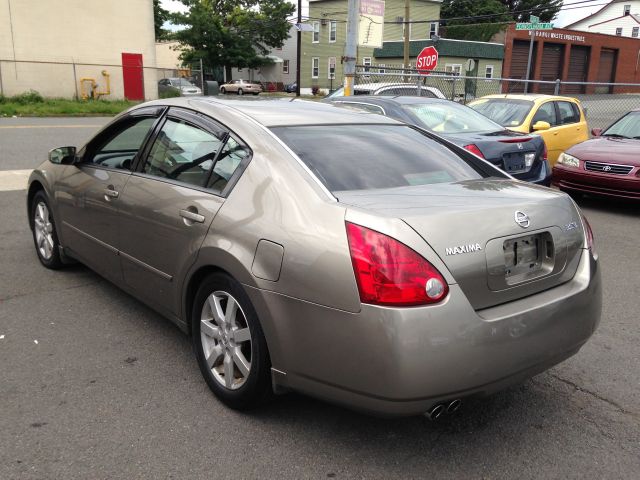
(191, 289)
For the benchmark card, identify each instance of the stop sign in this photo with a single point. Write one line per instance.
(427, 60)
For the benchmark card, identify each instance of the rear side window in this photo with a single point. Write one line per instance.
(569, 112)
(365, 157)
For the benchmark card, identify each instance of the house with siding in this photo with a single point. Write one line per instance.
(620, 17)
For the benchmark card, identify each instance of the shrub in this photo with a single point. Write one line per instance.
(170, 93)
(27, 98)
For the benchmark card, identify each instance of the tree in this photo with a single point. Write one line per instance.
(470, 28)
(232, 33)
(160, 15)
(545, 9)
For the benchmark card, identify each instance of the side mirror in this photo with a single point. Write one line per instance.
(540, 125)
(63, 155)
(596, 132)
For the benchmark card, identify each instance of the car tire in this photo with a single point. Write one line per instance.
(45, 236)
(240, 92)
(256, 93)
(232, 352)
(223, 90)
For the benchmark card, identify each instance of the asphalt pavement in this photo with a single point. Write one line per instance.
(95, 385)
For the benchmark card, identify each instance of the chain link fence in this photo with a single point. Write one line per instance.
(604, 103)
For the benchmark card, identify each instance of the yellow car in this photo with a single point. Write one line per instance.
(559, 120)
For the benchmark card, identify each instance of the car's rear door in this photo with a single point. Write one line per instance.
(571, 129)
(88, 195)
(179, 185)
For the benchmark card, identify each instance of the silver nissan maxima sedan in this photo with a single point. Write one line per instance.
(307, 247)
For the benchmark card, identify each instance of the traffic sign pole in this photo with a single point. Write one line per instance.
(526, 84)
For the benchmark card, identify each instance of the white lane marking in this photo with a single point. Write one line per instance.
(11, 180)
(2, 127)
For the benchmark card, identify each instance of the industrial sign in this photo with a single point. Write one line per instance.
(427, 60)
(371, 23)
(534, 24)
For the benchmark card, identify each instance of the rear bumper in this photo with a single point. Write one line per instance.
(392, 361)
(541, 177)
(574, 180)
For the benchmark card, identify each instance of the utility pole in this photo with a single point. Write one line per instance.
(351, 49)
(299, 44)
(407, 26)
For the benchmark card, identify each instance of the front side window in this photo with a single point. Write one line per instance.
(183, 152)
(546, 113)
(316, 32)
(365, 157)
(506, 112)
(315, 67)
(569, 112)
(333, 28)
(120, 146)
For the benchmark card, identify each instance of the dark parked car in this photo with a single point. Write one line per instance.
(608, 164)
(521, 155)
(291, 87)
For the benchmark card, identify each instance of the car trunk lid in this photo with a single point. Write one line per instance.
(473, 227)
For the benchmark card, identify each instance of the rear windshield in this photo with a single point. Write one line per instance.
(505, 111)
(366, 157)
(451, 118)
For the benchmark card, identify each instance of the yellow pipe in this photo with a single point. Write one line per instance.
(90, 94)
(106, 75)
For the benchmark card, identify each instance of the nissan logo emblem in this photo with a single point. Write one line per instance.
(522, 219)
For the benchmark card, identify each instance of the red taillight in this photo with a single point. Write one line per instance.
(390, 273)
(588, 232)
(474, 149)
(515, 140)
(544, 151)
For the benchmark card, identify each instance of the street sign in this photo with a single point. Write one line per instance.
(427, 60)
(304, 27)
(534, 24)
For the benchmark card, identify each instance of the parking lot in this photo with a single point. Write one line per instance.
(96, 385)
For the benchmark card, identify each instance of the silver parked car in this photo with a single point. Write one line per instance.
(181, 85)
(356, 259)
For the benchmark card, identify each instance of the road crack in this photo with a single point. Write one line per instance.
(20, 295)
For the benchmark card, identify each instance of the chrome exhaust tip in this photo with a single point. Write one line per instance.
(454, 405)
(435, 412)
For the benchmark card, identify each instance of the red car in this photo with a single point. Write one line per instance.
(608, 164)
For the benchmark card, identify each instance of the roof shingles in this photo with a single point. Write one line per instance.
(445, 47)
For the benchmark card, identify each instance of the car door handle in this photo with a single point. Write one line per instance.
(192, 216)
(110, 193)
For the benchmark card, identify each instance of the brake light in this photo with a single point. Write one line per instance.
(544, 151)
(474, 149)
(588, 233)
(390, 273)
(515, 140)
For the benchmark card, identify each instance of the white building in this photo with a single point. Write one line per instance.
(51, 45)
(620, 17)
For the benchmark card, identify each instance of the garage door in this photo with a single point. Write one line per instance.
(551, 69)
(606, 69)
(578, 67)
(519, 58)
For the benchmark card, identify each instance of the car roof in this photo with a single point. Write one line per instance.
(278, 112)
(394, 99)
(534, 97)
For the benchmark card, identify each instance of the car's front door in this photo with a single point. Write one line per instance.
(88, 195)
(546, 112)
(168, 205)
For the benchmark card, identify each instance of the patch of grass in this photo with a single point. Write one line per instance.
(32, 104)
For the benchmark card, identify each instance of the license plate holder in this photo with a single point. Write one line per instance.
(524, 255)
(514, 162)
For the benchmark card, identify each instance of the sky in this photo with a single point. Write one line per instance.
(563, 18)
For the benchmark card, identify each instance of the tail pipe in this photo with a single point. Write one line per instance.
(440, 409)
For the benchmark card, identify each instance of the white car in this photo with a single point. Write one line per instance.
(391, 89)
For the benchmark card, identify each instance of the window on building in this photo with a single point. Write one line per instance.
(627, 10)
(285, 66)
(433, 29)
(366, 61)
(453, 68)
(316, 32)
(488, 71)
(333, 29)
(315, 67)
(332, 68)
(619, 31)
(381, 68)
(634, 32)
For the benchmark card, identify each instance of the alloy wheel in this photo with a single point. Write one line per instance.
(226, 340)
(43, 230)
